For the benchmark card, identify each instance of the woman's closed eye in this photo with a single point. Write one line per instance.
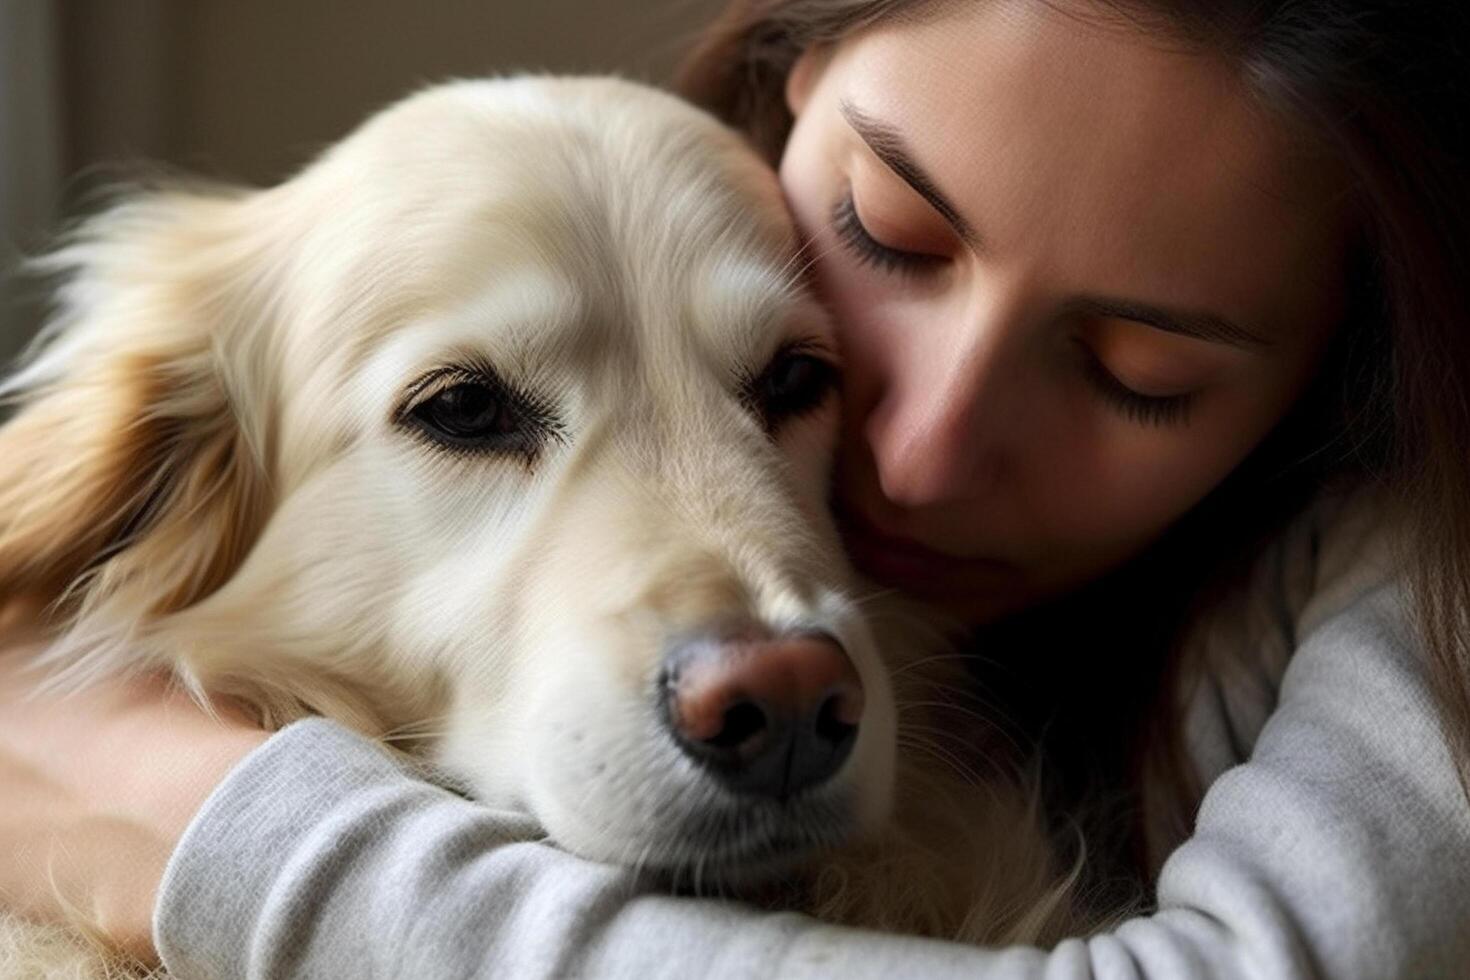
(859, 241)
(869, 249)
(1154, 410)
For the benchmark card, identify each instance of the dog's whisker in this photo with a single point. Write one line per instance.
(969, 775)
(948, 739)
(870, 598)
(969, 704)
(801, 262)
(423, 728)
(951, 769)
(990, 730)
(793, 279)
(935, 658)
(947, 706)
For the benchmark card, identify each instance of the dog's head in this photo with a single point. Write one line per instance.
(505, 423)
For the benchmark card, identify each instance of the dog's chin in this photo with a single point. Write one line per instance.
(733, 843)
(748, 842)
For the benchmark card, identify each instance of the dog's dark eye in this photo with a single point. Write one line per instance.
(795, 382)
(467, 411)
(478, 414)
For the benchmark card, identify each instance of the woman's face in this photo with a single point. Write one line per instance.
(1077, 277)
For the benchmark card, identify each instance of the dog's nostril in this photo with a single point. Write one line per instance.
(744, 723)
(831, 726)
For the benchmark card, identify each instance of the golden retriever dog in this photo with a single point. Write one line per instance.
(502, 432)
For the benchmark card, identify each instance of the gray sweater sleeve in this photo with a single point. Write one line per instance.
(1341, 849)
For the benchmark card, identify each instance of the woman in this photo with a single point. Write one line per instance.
(1157, 373)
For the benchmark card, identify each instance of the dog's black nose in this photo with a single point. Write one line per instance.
(768, 718)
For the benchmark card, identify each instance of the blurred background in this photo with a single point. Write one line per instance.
(249, 90)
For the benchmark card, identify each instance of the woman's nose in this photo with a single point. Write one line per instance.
(941, 435)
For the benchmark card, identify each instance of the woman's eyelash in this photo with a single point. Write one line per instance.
(854, 235)
(1143, 409)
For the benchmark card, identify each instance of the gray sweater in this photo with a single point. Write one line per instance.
(1334, 840)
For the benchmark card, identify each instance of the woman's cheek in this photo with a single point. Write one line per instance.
(1104, 488)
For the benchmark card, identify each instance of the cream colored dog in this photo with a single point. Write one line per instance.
(505, 426)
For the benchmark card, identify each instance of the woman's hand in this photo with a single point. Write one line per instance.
(98, 788)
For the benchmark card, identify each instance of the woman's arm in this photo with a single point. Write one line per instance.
(319, 856)
(1338, 850)
(98, 788)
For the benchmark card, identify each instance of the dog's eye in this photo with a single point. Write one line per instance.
(467, 411)
(795, 382)
(476, 414)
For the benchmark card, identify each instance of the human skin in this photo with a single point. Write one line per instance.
(98, 788)
(984, 464)
(992, 453)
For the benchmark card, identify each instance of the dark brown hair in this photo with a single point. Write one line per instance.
(1382, 85)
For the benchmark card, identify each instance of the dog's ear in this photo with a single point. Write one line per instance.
(132, 476)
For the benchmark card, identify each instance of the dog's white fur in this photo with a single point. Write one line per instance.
(215, 471)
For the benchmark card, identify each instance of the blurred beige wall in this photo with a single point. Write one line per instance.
(250, 89)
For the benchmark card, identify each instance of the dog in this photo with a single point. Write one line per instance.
(503, 432)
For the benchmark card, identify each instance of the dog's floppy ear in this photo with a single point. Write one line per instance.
(132, 477)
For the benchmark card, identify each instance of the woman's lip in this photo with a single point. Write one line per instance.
(899, 559)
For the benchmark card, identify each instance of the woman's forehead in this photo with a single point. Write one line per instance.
(1116, 154)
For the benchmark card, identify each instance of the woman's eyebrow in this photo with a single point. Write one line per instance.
(889, 146)
(1186, 323)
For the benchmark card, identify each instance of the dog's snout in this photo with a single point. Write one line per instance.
(769, 717)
